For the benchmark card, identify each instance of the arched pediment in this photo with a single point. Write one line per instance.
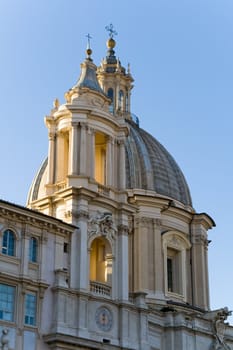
(176, 240)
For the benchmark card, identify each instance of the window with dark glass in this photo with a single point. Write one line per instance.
(33, 249)
(8, 243)
(7, 301)
(121, 100)
(30, 309)
(127, 102)
(111, 96)
(169, 275)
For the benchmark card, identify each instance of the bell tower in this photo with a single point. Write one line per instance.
(114, 80)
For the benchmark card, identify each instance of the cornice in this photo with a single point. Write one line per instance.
(27, 216)
(204, 220)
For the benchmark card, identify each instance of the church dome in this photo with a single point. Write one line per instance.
(149, 166)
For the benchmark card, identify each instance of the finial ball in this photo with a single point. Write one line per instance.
(111, 43)
(89, 52)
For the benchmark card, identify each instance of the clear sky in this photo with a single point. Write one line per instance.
(181, 57)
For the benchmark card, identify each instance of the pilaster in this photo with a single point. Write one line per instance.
(51, 158)
(158, 259)
(123, 269)
(83, 149)
(121, 162)
(73, 144)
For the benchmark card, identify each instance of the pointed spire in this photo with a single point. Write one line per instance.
(89, 50)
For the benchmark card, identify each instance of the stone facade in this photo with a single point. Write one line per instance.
(110, 253)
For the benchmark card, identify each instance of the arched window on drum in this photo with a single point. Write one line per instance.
(121, 101)
(111, 96)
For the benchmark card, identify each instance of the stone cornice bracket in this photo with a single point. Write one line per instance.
(102, 225)
(203, 219)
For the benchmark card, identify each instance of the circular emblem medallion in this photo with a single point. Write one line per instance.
(103, 318)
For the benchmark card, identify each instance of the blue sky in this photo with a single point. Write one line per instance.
(181, 55)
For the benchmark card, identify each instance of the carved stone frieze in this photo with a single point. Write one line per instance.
(102, 225)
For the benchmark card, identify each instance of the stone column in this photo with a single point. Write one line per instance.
(60, 161)
(25, 252)
(207, 275)
(109, 162)
(123, 270)
(121, 162)
(59, 255)
(79, 275)
(51, 158)
(43, 263)
(91, 153)
(158, 259)
(73, 145)
(199, 268)
(83, 149)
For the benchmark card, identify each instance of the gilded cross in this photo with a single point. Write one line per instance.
(111, 30)
(88, 41)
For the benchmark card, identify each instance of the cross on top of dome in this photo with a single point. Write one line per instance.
(111, 30)
(89, 50)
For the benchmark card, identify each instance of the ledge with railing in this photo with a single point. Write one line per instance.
(100, 288)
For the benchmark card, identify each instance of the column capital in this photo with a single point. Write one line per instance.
(52, 135)
(123, 230)
(83, 124)
(77, 214)
(74, 124)
(157, 222)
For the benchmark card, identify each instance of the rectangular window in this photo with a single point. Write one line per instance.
(30, 309)
(7, 302)
(33, 249)
(169, 275)
(174, 273)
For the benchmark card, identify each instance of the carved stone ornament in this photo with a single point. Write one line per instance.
(102, 225)
(4, 340)
(219, 326)
(175, 242)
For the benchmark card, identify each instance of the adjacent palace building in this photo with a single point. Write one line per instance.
(109, 252)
